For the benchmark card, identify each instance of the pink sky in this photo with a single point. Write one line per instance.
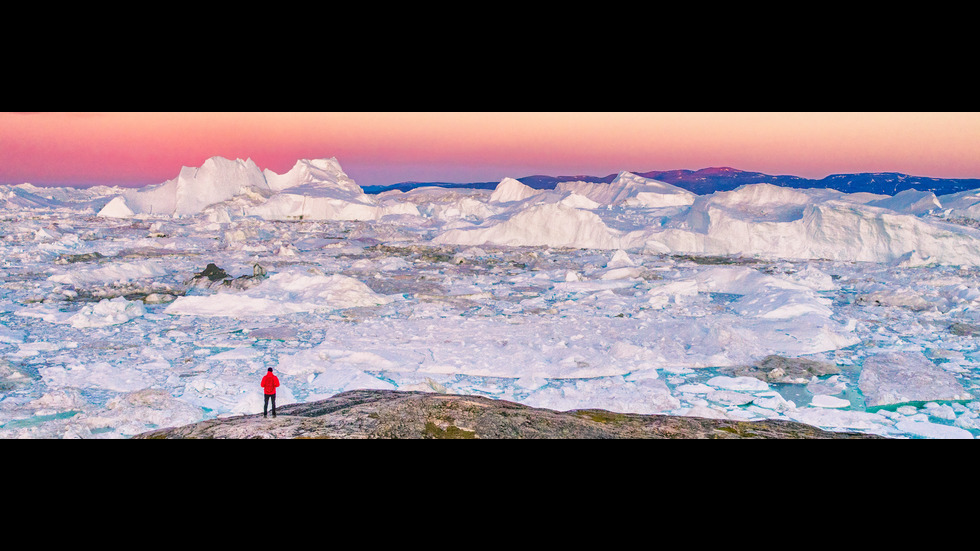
(388, 147)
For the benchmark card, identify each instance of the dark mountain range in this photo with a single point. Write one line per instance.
(708, 180)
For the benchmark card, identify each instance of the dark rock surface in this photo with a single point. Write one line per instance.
(780, 369)
(363, 414)
(213, 277)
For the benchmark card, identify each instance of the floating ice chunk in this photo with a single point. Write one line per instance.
(624, 350)
(113, 272)
(625, 272)
(775, 403)
(830, 418)
(932, 430)
(553, 225)
(672, 292)
(28, 349)
(740, 280)
(323, 358)
(116, 208)
(99, 374)
(532, 381)
(706, 412)
(141, 410)
(730, 397)
(782, 304)
(385, 264)
(896, 377)
(348, 378)
(11, 375)
(620, 259)
(47, 234)
(238, 353)
(282, 293)
(282, 333)
(738, 383)
(941, 411)
(833, 385)
(812, 277)
(825, 401)
(694, 388)
(11, 336)
(107, 312)
(58, 400)
(968, 420)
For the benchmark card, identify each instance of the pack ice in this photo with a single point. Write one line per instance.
(124, 310)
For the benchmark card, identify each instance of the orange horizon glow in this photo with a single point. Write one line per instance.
(121, 148)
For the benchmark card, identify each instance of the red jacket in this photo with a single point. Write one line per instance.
(269, 383)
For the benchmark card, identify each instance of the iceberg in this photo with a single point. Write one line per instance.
(552, 225)
(632, 190)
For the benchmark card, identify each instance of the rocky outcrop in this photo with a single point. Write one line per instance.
(362, 414)
(213, 277)
(780, 369)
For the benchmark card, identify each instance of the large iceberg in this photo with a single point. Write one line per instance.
(312, 190)
(767, 221)
(631, 190)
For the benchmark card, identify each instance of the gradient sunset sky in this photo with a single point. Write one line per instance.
(378, 148)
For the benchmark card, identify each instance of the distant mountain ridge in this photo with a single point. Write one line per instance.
(709, 180)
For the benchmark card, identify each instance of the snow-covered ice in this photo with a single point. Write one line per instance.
(634, 296)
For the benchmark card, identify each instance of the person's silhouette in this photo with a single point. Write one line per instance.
(269, 384)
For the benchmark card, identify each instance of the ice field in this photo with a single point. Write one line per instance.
(635, 296)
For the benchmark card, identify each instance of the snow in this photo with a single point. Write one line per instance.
(631, 296)
(107, 312)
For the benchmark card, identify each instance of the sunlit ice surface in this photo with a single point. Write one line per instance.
(583, 298)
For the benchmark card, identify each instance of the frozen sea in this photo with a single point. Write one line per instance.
(104, 334)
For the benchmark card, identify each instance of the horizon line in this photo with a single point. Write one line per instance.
(85, 185)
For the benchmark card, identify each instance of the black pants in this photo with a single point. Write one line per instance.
(265, 407)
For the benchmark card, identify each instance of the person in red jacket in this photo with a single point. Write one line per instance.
(269, 384)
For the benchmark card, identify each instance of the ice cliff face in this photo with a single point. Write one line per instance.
(194, 189)
(322, 172)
